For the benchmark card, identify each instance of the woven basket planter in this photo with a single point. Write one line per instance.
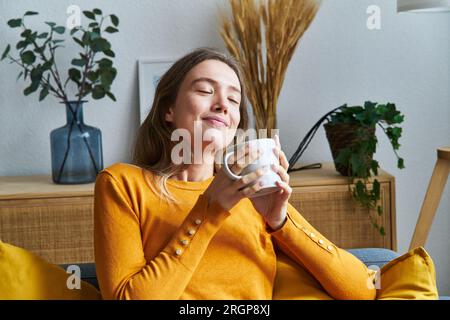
(341, 136)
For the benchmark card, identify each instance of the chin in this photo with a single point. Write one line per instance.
(215, 137)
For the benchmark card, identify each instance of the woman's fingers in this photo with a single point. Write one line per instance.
(277, 141)
(240, 152)
(286, 189)
(251, 189)
(281, 172)
(243, 159)
(250, 178)
(281, 158)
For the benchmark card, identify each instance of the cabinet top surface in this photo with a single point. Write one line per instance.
(43, 187)
(40, 186)
(327, 175)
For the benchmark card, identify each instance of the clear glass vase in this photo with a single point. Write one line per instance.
(76, 149)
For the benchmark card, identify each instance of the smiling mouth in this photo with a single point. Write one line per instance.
(216, 122)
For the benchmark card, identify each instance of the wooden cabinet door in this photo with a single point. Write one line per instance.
(332, 211)
(60, 230)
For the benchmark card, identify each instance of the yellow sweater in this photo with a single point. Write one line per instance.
(146, 248)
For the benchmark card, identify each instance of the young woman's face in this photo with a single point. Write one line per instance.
(208, 103)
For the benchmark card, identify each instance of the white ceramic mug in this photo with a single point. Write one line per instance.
(266, 159)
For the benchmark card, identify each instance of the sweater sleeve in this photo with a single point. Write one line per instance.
(122, 269)
(340, 273)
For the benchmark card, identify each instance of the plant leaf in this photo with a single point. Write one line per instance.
(74, 30)
(59, 29)
(108, 76)
(111, 96)
(92, 75)
(401, 163)
(51, 24)
(43, 35)
(376, 189)
(111, 30)
(98, 92)
(44, 93)
(114, 20)
(89, 15)
(97, 11)
(32, 88)
(379, 210)
(15, 23)
(74, 74)
(78, 62)
(28, 57)
(30, 13)
(79, 42)
(94, 35)
(109, 53)
(5, 53)
(100, 44)
(105, 62)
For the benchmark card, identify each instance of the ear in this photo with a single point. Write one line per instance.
(169, 115)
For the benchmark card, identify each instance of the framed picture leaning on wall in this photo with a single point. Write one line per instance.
(150, 71)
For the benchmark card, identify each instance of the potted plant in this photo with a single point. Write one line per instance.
(352, 137)
(76, 148)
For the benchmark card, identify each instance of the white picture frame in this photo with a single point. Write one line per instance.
(150, 71)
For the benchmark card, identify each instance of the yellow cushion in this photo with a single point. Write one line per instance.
(410, 276)
(293, 282)
(25, 276)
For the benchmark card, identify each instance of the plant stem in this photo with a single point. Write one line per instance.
(44, 58)
(51, 88)
(61, 169)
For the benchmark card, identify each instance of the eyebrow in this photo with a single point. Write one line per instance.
(213, 82)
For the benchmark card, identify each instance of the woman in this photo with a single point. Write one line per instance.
(186, 231)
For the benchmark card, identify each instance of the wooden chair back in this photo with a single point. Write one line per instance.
(433, 196)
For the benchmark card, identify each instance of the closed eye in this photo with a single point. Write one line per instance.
(234, 101)
(204, 91)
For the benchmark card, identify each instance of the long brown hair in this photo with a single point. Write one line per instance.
(153, 145)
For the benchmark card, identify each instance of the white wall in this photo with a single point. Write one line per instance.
(338, 61)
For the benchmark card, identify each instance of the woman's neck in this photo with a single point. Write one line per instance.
(197, 172)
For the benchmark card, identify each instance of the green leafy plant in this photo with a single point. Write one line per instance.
(355, 159)
(92, 71)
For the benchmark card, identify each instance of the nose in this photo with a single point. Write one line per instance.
(221, 103)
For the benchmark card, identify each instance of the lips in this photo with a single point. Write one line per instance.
(216, 121)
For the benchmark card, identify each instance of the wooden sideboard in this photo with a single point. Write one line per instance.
(56, 221)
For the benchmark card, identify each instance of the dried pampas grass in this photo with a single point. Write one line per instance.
(263, 38)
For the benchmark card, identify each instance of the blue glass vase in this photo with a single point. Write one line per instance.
(76, 149)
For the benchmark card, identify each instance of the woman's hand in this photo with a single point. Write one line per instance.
(227, 192)
(273, 206)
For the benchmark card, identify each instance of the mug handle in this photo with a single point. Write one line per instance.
(230, 174)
